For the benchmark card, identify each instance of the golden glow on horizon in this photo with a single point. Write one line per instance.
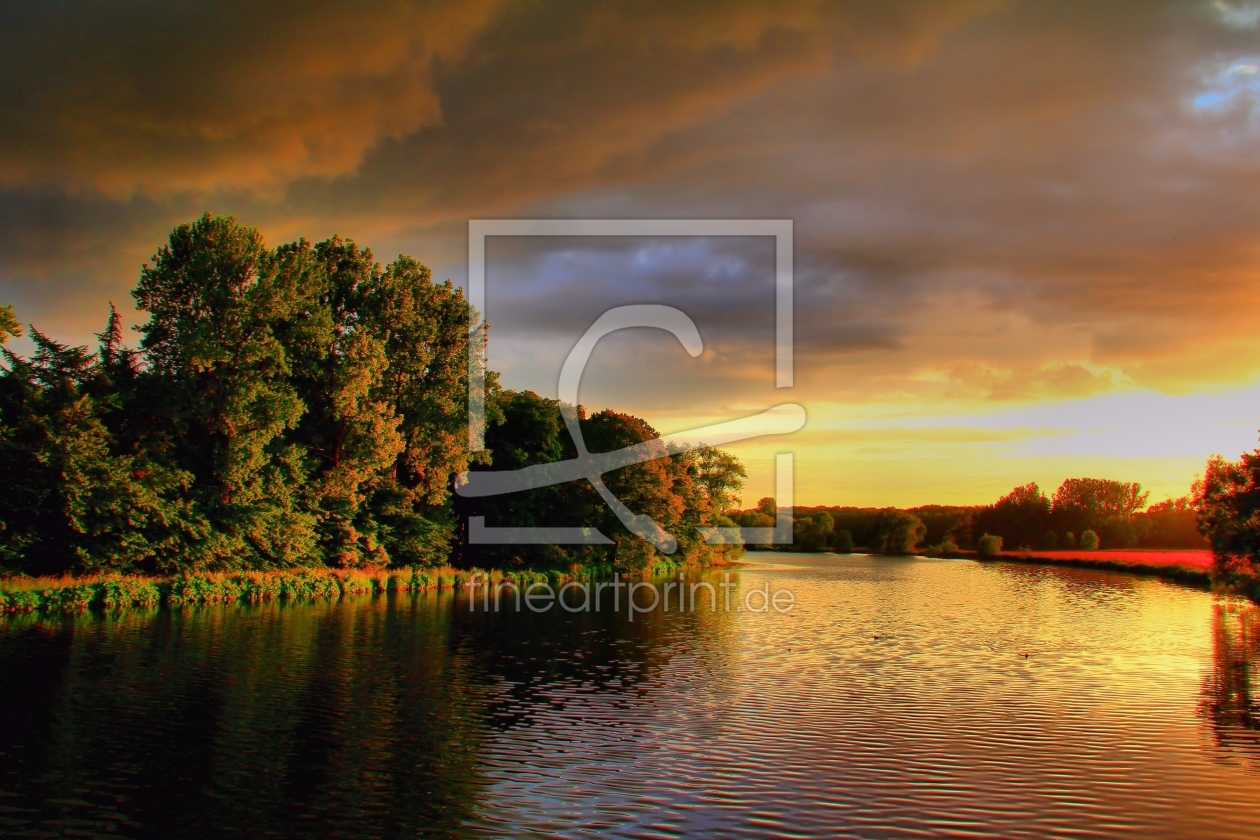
(914, 455)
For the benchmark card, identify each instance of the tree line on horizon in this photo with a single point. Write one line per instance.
(295, 406)
(1221, 513)
(1104, 512)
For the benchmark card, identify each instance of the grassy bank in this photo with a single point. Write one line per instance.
(1190, 575)
(71, 594)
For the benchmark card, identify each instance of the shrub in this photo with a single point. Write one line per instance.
(989, 546)
(843, 541)
(1089, 540)
(896, 532)
(1069, 540)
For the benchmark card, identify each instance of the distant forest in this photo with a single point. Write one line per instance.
(1114, 512)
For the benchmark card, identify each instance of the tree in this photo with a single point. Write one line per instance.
(812, 532)
(1089, 540)
(1171, 523)
(9, 325)
(299, 405)
(896, 532)
(842, 542)
(1100, 505)
(1020, 517)
(720, 476)
(76, 497)
(213, 295)
(682, 491)
(989, 545)
(1227, 501)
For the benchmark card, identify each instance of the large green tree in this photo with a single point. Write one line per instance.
(214, 295)
(302, 404)
(76, 497)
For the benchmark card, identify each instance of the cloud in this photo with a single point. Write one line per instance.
(993, 202)
(159, 98)
(163, 97)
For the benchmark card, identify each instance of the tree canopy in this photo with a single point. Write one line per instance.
(297, 405)
(1227, 500)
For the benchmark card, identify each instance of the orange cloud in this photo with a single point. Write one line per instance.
(160, 98)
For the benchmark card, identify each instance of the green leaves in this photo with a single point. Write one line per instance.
(1227, 500)
(289, 406)
(9, 324)
(294, 406)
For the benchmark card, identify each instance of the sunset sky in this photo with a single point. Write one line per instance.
(1027, 234)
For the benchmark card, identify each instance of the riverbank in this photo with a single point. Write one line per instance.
(1189, 567)
(71, 594)
(74, 594)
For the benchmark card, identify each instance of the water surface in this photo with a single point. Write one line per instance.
(899, 697)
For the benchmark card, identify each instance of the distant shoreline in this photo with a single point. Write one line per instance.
(1190, 567)
(1192, 571)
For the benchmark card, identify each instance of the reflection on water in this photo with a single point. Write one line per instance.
(1229, 703)
(900, 696)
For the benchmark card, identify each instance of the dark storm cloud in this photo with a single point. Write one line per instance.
(1009, 200)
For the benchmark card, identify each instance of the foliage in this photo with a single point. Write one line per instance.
(120, 591)
(1227, 501)
(296, 406)
(1112, 509)
(1102, 505)
(683, 491)
(1089, 540)
(9, 324)
(842, 542)
(896, 532)
(945, 548)
(813, 532)
(1020, 517)
(1172, 523)
(286, 407)
(989, 545)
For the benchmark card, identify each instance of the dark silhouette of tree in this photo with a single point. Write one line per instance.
(813, 531)
(1172, 523)
(1227, 501)
(1101, 505)
(896, 532)
(1020, 517)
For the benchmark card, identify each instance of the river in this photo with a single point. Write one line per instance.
(896, 697)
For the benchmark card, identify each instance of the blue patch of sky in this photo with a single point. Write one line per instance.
(1235, 84)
